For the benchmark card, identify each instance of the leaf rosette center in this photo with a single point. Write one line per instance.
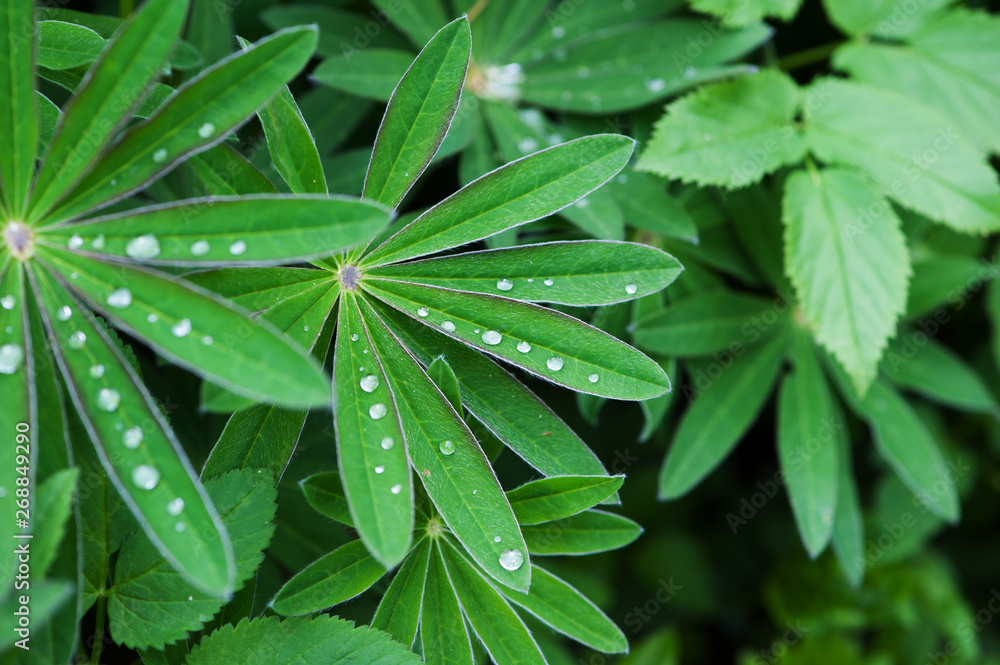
(349, 276)
(20, 240)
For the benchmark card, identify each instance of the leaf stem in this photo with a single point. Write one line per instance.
(102, 610)
(809, 56)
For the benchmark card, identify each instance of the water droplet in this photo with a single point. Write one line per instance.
(593, 378)
(497, 539)
(206, 130)
(582, 203)
(369, 383)
(152, 318)
(492, 337)
(583, 72)
(447, 447)
(98, 242)
(160, 156)
(631, 289)
(96, 371)
(388, 443)
(207, 340)
(354, 337)
(531, 117)
(120, 298)
(108, 399)
(527, 144)
(132, 437)
(548, 282)
(558, 32)
(531, 280)
(77, 340)
(690, 72)
(377, 411)
(474, 492)
(143, 247)
(8, 302)
(448, 326)
(623, 178)
(237, 248)
(422, 312)
(200, 248)
(380, 469)
(145, 476)
(505, 285)
(179, 527)
(477, 331)
(554, 363)
(75, 242)
(396, 489)
(511, 560)
(182, 328)
(523, 347)
(11, 357)
(64, 313)
(655, 85)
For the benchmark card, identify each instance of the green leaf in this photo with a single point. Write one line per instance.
(501, 25)
(258, 437)
(742, 12)
(341, 31)
(719, 416)
(949, 63)
(370, 448)
(340, 575)
(626, 69)
(731, 134)
(850, 272)
(904, 441)
(257, 230)
(645, 205)
(225, 172)
(557, 497)
(934, 371)
(325, 493)
(46, 599)
(882, 18)
(18, 125)
(456, 475)
(150, 605)
(583, 273)
(500, 629)
(52, 502)
(371, 73)
(398, 612)
(196, 117)
(49, 117)
(508, 409)
(291, 145)
(65, 45)
(441, 373)
(708, 322)
(137, 449)
(588, 532)
(323, 639)
(520, 192)
(941, 281)
(546, 343)
(444, 637)
(563, 608)
(197, 330)
(419, 114)
(848, 525)
(919, 161)
(117, 82)
(807, 446)
(419, 19)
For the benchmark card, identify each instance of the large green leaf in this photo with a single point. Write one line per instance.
(544, 342)
(137, 448)
(719, 416)
(584, 273)
(558, 497)
(371, 449)
(584, 533)
(196, 117)
(924, 164)
(114, 86)
(220, 231)
(398, 612)
(18, 126)
(520, 192)
(850, 271)
(64, 45)
(731, 134)
(198, 330)
(419, 115)
(338, 576)
(449, 462)
(444, 637)
(150, 605)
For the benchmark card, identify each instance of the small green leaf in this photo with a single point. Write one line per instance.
(338, 576)
(719, 416)
(136, 447)
(114, 85)
(588, 532)
(18, 123)
(646, 205)
(850, 273)
(731, 134)
(419, 114)
(881, 18)
(325, 493)
(742, 12)
(444, 378)
(520, 192)
(450, 463)
(52, 502)
(544, 342)
(419, 19)
(258, 437)
(557, 497)
(371, 73)
(225, 172)
(341, 32)
(49, 117)
(940, 281)
(65, 45)
(848, 525)
(398, 612)
(584, 273)
(563, 608)
(291, 145)
(444, 637)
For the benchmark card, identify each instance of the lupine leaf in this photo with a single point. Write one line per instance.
(398, 612)
(522, 191)
(338, 576)
(441, 373)
(419, 19)
(325, 493)
(53, 499)
(341, 31)
(584, 273)
(17, 101)
(646, 205)
(558, 497)
(65, 45)
(291, 145)
(584, 533)
(138, 450)
(419, 115)
(372, 73)
(444, 637)
(225, 172)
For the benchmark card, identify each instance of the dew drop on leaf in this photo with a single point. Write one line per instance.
(448, 326)
(505, 285)
(511, 560)
(558, 32)
(120, 298)
(132, 437)
(492, 337)
(64, 313)
(396, 489)
(8, 302)
(75, 242)
(77, 340)
(182, 328)
(354, 337)
(237, 248)
(179, 527)
(631, 289)
(422, 312)
(145, 476)
(206, 130)
(369, 383)
(200, 248)
(11, 357)
(655, 85)
(380, 469)
(497, 539)
(593, 378)
(97, 371)
(143, 247)
(527, 145)
(108, 399)
(523, 347)
(447, 447)
(554, 363)
(548, 282)
(98, 242)
(176, 506)
(377, 411)
(160, 156)
(207, 340)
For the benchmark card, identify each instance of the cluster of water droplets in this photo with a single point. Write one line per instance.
(147, 246)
